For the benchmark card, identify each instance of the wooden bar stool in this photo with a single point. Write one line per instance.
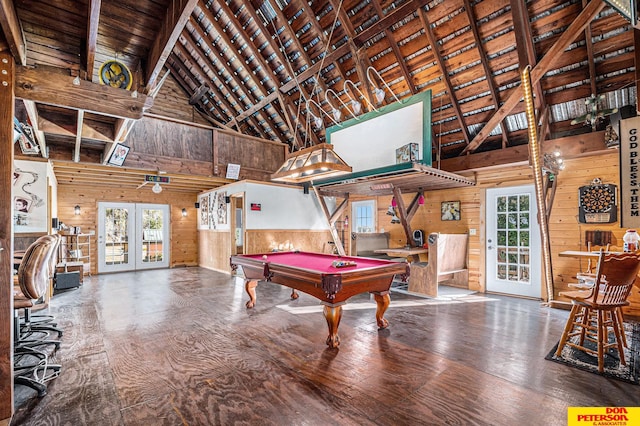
(596, 312)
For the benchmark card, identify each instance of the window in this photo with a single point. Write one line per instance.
(364, 216)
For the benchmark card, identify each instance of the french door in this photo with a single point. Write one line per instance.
(132, 236)
(513, 242)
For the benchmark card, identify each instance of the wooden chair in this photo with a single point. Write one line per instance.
(596, 312)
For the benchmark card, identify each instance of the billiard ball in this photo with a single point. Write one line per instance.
(264, 256)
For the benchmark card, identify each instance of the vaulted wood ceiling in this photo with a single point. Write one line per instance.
(257, 66)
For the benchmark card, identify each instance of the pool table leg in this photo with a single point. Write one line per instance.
(250, 287)
(294, 294)
(382, 300)
(333, 314)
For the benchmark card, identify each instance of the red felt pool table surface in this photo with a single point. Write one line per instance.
(318, 262)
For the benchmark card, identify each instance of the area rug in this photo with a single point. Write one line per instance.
(612, 366)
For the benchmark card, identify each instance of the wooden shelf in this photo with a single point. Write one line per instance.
(75, 249)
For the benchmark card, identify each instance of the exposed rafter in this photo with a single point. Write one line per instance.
(567, 37)
(174, 21)
(92, 37)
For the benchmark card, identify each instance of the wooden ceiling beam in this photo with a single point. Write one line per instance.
(92, 36)
(257, 20)
(435, 47)
(179, 65)
(389, 20)
(568, 36)
(76, 152)
(54, 88)
(34, 121)
(307, 11)
(300, 48)
(256, 54)
(591, 143)
(590, 58)
(524, 46)
(231, 111)
(389, 35)
(299, 79)
(10, 25)
(485, 66)
(200, 106)
(197, 46)
(178, 13)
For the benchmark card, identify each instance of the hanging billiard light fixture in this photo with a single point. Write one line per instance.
(316, 162)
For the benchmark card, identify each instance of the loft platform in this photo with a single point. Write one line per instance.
(407, 177)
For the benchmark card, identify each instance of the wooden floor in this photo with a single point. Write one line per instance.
(178, 347)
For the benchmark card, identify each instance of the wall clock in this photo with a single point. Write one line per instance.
(598, 203)
(115, 74)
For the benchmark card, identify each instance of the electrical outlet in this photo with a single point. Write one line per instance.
(472, 231)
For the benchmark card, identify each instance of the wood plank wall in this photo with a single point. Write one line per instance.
(259, 158)
(171, 101)
(215, 246)
(214, 250)
(184, 234)
(266, 240)
(565, 230)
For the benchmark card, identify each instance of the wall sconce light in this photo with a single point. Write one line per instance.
(317, 120)
(378, 92)
(196, 205)
(355, 103)
(394, 203)
(184, 212)
(346, 220)
(421, 199)
(227, 199)
(337, 114)
(76, 210)
(156, 188)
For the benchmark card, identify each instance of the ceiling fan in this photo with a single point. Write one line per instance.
(595, 112)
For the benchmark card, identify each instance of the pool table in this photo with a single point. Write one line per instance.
(330, 278)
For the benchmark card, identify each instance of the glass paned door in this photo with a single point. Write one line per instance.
(152, 235)
(116, 242)
(513, 242)
(132, 236)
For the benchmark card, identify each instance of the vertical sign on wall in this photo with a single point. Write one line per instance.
(630, 172)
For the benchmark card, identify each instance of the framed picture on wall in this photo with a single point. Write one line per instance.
(450, 210)
(118, 155)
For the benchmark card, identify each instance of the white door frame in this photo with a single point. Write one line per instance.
(132, 251)
(128, 244)
(507, 264)
(142, 262)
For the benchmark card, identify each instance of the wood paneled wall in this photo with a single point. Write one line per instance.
(184, 234)
(171, 101)
(215, 246)
(266, 240)
(259, 158)
(565, 230)
(215, 250)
